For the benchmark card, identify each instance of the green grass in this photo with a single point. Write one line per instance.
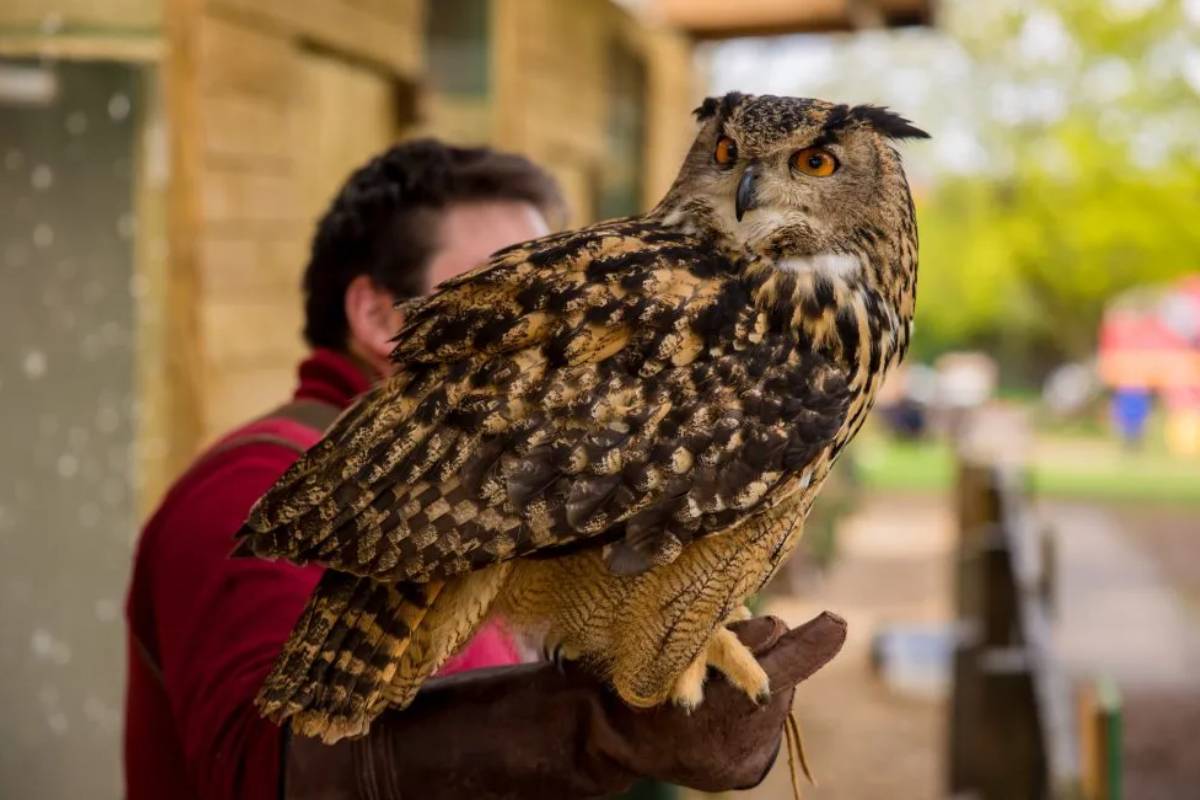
(1137, 477)
(1091, 468)
(883, 463)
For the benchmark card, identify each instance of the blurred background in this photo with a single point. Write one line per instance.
(1015, 539)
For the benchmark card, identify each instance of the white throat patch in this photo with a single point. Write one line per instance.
(830, 265)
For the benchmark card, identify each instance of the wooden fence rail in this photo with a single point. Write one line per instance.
(1013, 731)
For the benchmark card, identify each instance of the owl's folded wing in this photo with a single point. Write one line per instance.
(612, 387)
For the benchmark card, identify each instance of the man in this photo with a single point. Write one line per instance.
(205, 628)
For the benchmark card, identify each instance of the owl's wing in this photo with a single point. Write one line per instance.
(615, 386)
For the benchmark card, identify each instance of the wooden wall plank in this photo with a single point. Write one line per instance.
(72, 15)
(269, 263)
(359, 31)
(255, 331)
(252, 134)
(239, 394)
(233, 196)
(722, 19)
(117, 46)
(246, 60)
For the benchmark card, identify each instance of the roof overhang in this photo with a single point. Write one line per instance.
(725, 19)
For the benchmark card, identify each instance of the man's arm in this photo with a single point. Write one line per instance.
(535, 731)
(219, 623)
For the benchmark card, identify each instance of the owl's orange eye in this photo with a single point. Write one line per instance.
(726, 152)
(815, 161)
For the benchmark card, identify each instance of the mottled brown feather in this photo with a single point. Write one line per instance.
(589, 407)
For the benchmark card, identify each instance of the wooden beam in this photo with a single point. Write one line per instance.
(136, 48)
(73, 16)
(721, 19)
(183, 371)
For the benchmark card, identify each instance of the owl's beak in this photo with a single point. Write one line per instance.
(746, 197)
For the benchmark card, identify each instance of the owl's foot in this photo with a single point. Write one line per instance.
(726, 653)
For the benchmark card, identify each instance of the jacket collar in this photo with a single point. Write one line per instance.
(331, 377)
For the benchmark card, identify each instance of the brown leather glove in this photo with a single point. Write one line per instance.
(535, 731)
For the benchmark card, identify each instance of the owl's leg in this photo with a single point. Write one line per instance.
(740, 614)
(726, 653)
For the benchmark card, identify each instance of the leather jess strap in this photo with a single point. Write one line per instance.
(314, 414)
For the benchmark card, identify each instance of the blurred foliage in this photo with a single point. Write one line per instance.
(838, 498)
(1101, 196)
(1066, 466)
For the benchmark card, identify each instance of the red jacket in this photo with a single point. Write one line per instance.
(211, 625)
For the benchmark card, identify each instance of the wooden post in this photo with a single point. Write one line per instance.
(183, 372)
(1100, 736)
(998, 607)
(1011, 757)
(978, 506)
(1049, 563)
(1009, 729)
(978, 514)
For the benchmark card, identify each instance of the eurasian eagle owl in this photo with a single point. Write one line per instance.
(612, 435)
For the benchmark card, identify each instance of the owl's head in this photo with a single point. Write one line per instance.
(794, 176)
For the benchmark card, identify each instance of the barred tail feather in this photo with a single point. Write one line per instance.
(330, 679)
(461, 607)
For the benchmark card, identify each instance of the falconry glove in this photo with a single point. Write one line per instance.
(537, 731)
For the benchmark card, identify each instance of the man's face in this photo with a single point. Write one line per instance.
(470, 232)
(467, 234)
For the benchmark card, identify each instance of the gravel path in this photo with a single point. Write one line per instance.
(1129, 586)
(1129, 580)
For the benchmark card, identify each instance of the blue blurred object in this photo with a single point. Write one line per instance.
(905, 418)
(1130, 410)
(915, 659)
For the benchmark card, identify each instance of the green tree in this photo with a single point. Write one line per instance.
(1102, 197)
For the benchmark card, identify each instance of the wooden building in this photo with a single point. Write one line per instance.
(252, 111)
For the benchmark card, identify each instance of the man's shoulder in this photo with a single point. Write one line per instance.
(248, 459)
(282, 436)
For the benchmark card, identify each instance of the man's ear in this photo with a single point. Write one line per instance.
(372, 319)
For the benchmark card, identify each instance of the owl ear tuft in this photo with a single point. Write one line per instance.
(887, 122)
(712, 106)
(707, 109)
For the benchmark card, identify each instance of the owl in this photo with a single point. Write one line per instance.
(610, 436)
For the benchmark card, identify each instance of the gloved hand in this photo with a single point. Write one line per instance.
(535, 731)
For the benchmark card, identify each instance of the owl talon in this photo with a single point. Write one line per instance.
(559, 654)
(726, 654)
(688, 691)
(739, 666)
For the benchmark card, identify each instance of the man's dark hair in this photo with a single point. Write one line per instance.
(382, 223)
